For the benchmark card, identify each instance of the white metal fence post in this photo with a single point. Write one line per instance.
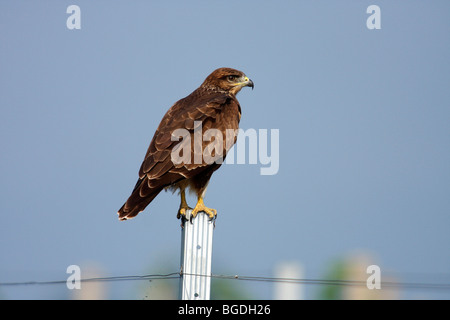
(196, 255)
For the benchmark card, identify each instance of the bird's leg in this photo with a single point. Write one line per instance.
(183, 205)
(200, 206)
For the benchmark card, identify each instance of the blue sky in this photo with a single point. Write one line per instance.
(363, 118)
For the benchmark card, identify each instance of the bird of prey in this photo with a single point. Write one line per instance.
(211, 106)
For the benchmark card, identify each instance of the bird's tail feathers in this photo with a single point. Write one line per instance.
(139, 199)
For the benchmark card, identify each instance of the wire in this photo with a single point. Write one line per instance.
(148, 277)
(389, 284)
(177, 275)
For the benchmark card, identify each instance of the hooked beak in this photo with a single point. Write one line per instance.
(247, 83)
(244, 81)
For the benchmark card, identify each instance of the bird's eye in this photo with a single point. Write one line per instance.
(231, 78)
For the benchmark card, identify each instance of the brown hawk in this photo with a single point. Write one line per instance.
(212, 106)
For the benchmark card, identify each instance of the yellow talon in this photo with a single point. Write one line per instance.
(183, 206)
(200, 206)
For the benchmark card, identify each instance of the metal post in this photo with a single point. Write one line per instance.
(196, 256)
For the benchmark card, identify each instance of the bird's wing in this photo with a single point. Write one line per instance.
(158, 166)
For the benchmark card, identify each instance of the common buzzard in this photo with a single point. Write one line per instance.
(212, 106)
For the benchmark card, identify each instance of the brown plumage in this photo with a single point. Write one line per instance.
(212, 106)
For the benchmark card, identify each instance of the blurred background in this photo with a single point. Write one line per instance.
(364, 149)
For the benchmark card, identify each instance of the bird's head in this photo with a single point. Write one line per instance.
(227, 80)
